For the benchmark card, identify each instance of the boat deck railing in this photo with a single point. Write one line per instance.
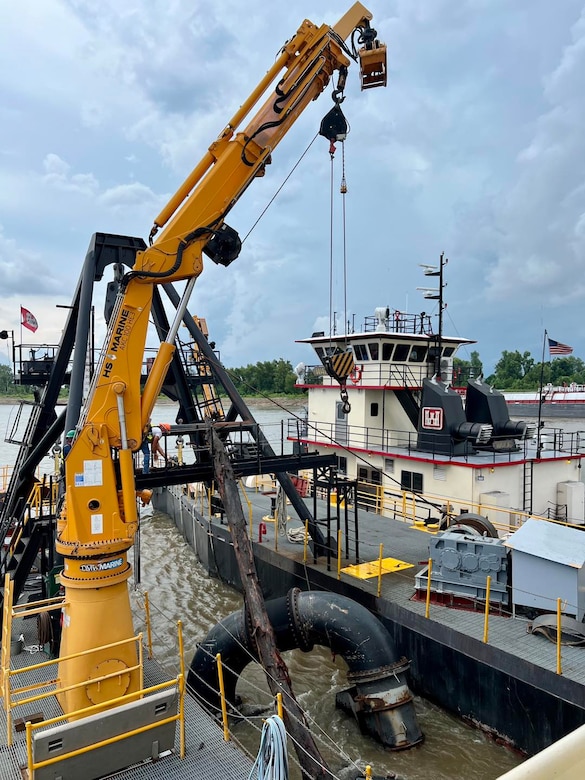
(427, 511)
(400, 322)
(557, 442)
(433, 512)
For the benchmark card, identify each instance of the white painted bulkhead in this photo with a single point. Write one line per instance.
(367, 442)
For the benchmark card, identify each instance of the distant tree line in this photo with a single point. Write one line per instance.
(519, 371)
(513, 371)
(7, 386)
(270, 377)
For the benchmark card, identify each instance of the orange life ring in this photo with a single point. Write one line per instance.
(356, 374)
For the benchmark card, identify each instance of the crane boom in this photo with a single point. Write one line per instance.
(99, 518)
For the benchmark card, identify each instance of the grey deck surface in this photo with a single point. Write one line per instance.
(403, 542)
(208, 756)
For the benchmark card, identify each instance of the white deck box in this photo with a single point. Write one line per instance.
(548, 563)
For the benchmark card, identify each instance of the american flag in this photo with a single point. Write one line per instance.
(556, 348)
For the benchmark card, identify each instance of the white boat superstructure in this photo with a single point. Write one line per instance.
(405, 433)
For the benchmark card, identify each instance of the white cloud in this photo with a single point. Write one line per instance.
(475, 147)
(22, 271)
(57, 175)
(128, 195)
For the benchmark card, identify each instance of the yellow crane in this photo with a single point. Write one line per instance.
(99, 517)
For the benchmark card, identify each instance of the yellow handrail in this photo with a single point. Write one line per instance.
(94, 746)
(226, 730)
(487, 608)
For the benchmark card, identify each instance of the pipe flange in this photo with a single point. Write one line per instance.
(294, 620)
(380, 673)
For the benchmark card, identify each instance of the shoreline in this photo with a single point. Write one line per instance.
(257, 400)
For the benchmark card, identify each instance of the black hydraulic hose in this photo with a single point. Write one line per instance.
(301, 620)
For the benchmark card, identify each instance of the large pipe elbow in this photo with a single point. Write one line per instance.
(379, 697)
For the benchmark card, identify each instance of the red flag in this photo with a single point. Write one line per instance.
(28, 319)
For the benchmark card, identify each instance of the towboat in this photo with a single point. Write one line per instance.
(404, 433)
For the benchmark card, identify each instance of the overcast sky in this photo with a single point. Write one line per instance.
(476, 148)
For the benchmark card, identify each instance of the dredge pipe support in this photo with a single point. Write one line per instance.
(379, 696)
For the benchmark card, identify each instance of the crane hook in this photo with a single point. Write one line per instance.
(337, 96)
(346, 408)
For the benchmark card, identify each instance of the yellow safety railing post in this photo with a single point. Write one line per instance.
(559, 637)
(182, 749)
(368, 772)
(181, 646)
(428, 604)
(6, 637)
(279, 710)
(226, 731)
(181, 687)
(141, 659)
(380, 556)
(6, 629)
(29, 752)
(339, 554)
(487, 608)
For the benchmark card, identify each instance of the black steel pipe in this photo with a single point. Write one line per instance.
(302, 620)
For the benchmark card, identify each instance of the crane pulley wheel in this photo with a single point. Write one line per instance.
(334, 125)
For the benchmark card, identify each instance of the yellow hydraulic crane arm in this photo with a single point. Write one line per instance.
(99, 520)
(193, 222)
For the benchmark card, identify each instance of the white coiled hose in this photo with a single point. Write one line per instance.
(272, 759)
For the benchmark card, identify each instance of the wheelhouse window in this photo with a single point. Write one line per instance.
(374, 348)
(361, 352)
(417, 354)
(401, 352)
(448, 351)
(387, 351)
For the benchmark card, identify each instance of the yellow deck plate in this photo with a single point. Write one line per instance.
(425, 529)
(364, 571)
